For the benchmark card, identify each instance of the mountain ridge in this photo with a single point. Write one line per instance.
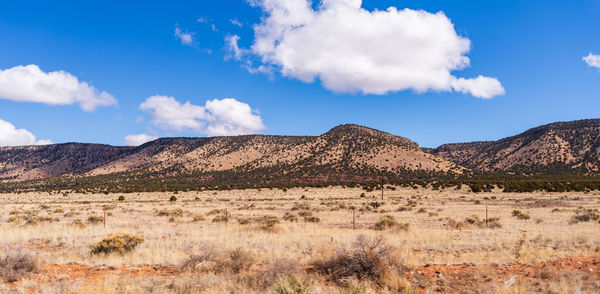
(346, 152)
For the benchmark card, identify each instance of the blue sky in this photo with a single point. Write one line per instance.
(129, 50)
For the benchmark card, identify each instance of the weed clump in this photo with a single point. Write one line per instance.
(119, 244)
(15, 265)
(290, 217)
(388, 222)
(220, 218)
(291, 285)
(520, 215)
(312, 219)
(94, 219)
(198, 217)
(492, 222)
(582, 215)
(369, 260)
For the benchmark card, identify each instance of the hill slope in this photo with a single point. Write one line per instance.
(345, 152)
(563, 147)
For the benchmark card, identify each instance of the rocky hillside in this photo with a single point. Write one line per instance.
(345, 152)
(563, 147)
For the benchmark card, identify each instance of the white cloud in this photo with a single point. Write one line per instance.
(138, 139)
(11, 136)
(30, 84)
(592, 60)
(223, 117)
(353, 50)
(184, 38)
(233, 48)
(236, 22)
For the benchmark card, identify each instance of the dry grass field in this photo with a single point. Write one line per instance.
(301, 240)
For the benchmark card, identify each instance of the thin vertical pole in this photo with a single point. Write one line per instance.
(226, 217)
(381, 188)
(105, 218)
(353, 219)
(486, 215)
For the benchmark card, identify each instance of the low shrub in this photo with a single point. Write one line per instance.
(121, 198)
(118, 243)
(15, 265)
(388, 222)
(198, 217)
(95, 219)
(492, 222)
(220, 218)
(369, 260)
(290, 217)
(312, 219)
(520, 215)
(173, 198)
(582, 215)
(305, 214)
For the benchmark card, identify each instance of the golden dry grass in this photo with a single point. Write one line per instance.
(55, 228)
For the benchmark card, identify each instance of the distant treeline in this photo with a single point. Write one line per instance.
(129, 182)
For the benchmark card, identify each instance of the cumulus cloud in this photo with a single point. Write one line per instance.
(138, 139)
(11, 136)
(184, 38)
(225, 117)
(350, 49)
(30, 84)
(592, 60)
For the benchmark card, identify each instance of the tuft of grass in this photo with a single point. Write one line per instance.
(173, 198)
(118, 243)
(291, 285)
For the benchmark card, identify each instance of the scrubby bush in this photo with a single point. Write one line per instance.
(305, 214)
(268, 222)
(290, 217)
(387, 222)
(585, 216)
(95, 219)
(239, 260)
(312, 219)
(121, 198)
(198, 217)
(15, 265)
(220, 218)
(492, 222)
(119, 244)
(170, 213)
(173, 198)
(520, 215)
(369, 260)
